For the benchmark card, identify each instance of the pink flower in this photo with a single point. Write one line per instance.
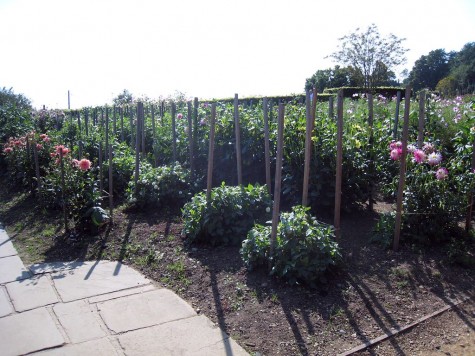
(39, 146)
(61, 150)
(179, 116)
(419, 156)
(7, 150)
(441, 173)
(203, 122)
(428, 147)
(434, 158)
(75, 163)
(84, 164)
(396, 154)
(395, 144)
(46, 139)
(411, 148)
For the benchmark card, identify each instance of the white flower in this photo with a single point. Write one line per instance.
(267, 210)
(180, 192)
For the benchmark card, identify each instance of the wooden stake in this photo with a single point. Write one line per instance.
(190, 141)
(137, 147)
(37, 168)
(237, 132)
(174, 132)
(209, 184)
(131, 117)
(468, 219)
(370, 155)
(402, 169)
(63, 196)
(86, 121)
(266, 145)
(114, 124)
(121, 124)
(107, 130)
(111, 185)
(142, 131)
(330, 107)
(278, 179)
(101, 178)
(339, 164)
(308, 144)
(396, 116)
(420, 135)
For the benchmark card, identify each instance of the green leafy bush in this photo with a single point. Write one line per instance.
(230, 214)
(305, 248)
(164, 185)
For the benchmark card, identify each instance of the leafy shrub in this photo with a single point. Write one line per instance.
(383, 232)
(164, 185)
(230, 214)
(305, 248)
(123, 166)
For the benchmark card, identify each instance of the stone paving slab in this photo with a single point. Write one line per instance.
(7, 249)
(143, 310)
(122, 293)
(100, 347)
(31, 293)
(196, 336)
(12, 269)
(96, 278)
(50, 267)
(80, 321)
(3, 234)
(28, 332)
(6, 307)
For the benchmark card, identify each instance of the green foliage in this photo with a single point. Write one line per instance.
(305, 248)
(383, 232)
(230, 214)
(161, 186)
(333, 78)
(15, 114)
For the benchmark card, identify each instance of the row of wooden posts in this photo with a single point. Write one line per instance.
(310, 117)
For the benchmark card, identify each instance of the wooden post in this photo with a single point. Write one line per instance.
(142, 131)
(121, 124)
(131, 117)
(195, 126)
(396, 116)
(468, 219)
(339, 163)
(86, 121)
(330, 107)
(266, 145)
(37, 167)
(137, 147)
(402, 169)
(371, 154)
(154, 137)
(79, 122)
(111, 185)
(308, 144)
(101, 178)
(173, 133)
(190, 141)
(278, 180)
(63, 187)
(114, 124)
(237, 131)
(420, 134)
(107, 131)
(209, 184)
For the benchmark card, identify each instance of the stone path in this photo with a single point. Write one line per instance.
(97, 308)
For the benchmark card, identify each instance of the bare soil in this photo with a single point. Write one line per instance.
(374, 291)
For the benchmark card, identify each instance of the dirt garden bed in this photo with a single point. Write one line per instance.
(375, 290)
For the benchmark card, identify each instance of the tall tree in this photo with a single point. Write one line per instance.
(333, 78)
(367, 50)
(429, 69)
(463, 66)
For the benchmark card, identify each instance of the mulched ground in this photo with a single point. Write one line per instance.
(375, 290)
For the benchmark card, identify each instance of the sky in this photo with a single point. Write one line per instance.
(206, 49)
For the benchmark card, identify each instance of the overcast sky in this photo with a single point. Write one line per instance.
(207, 48)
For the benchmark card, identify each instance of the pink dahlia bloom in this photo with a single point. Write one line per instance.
(419, 156)
(395, 144)
(7, 150)
(441, 173)
(396, 154)
(84, 164)
(434, 158)
(179, 116)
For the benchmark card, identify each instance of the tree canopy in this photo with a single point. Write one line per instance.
(429, 69)
(367, 51)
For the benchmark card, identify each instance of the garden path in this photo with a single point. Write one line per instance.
(98, 307)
